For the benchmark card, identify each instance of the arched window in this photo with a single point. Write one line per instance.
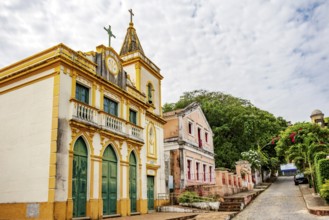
(150, 93)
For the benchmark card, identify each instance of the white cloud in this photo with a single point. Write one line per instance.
(273, 53)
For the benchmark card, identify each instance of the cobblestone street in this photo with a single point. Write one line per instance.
(282, 201)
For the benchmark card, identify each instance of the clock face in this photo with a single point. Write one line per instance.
(112, 65)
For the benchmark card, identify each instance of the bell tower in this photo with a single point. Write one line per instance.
(142, 74)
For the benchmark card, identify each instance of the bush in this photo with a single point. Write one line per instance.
(189, 197)
(322, 172)
(324, 191)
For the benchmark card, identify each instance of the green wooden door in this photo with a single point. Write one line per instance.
(79, 178)
(133, 182)
(109, 181)
(150, 192)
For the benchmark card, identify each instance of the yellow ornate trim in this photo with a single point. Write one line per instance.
(144, 64)
(138, 75)
(93, 94)
(87, 137)
(101, 107)
(73, 86)
(150, 142)
(152, 166)
(160, 99)
(121, 107)
(127, 110)
(106, 143)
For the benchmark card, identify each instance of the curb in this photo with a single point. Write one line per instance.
(315, 210)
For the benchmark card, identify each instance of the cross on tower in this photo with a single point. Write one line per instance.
(131, 15)
(109, 32)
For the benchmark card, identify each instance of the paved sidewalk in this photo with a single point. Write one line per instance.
(159, 216)
(314, 203)
(210, 215)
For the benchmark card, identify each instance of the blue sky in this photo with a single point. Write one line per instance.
(273, 53)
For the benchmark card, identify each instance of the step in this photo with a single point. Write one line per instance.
(229, 210)
(230, 206)
(183, 217)
(238, 199)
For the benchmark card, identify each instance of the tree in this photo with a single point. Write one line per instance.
(300, 141)
(299, 144)
(237, 124)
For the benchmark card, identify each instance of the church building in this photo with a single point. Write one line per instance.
(81, 133)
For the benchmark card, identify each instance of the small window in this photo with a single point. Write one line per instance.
(82, 93)
(150, 93)
(197, 171)
(204, 172)
(210, 174)
(190, 126)
(206, 137)
(133, 116)
(110, 106)
(199, 137)
(188, 169)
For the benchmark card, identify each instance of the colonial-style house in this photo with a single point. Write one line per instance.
(188, 143)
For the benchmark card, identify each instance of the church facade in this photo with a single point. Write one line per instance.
(81, 133)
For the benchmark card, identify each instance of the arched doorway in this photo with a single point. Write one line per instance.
(133, 182)
(109, 181)
(79, 178)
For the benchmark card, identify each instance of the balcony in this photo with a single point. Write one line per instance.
(92, 116)
(84, 112)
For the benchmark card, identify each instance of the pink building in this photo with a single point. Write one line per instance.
(188, 142)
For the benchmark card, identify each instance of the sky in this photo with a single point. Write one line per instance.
(274, 53)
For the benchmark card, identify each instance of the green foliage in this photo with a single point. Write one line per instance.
(319, 155)
(253, 158)
(300, 142)
(324, 191)
(189, 197)
(237, 125)
(322, 172)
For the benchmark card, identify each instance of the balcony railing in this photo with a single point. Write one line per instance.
(112, 123)
(88, 114)
(84, 112)
(135, 131)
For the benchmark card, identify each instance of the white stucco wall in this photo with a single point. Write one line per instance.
(161, 181)
(26, 116)
(64, 138)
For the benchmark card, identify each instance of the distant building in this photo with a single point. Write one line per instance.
(317, 117)
(188, 143)
(81, 133)
(288, 169)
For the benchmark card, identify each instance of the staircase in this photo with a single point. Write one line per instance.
(231, 205)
